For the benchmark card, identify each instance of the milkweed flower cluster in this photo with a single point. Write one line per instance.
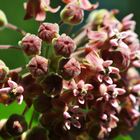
(85, 85)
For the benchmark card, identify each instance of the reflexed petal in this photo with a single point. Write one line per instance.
(113, 70)
(20, 99)
(128, 17)
(114, 42)
(136, 63)
(100, 78)
(111, 87)
(66, 115)
(103, 89)
(89, 97)
(81, 84)
(107, 63)
(12, 84)
(68, 125)
(114, 104)
(5, 90)
(86, 5)
(94, 59)
(81, 100)
(136, 88)
(96, 35)
(76, 92)
(20, 89)
(122, 44)
(120, 91)
(108, 80)
(76, 124)
(88, 87)
(40, 16)
(53, 10)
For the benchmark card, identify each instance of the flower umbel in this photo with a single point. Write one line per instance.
(81, 83)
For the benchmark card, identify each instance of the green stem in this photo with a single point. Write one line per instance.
(19, 69)
(69, 30)
(4, 47)
(60, 23)
(15, 28)
(54, 60)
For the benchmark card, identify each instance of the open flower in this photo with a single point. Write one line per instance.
(72, 116)
(103, 69)
(118, 37)
(80, 90)
(38, 8)
(14, 91)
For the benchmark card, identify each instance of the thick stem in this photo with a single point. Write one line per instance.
(80, 38)
(15, 28)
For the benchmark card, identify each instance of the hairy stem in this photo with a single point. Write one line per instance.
(4, 47)
(15, 28)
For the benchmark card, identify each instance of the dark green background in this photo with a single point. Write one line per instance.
(15, 13)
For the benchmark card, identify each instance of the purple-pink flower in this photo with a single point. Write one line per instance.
(37, 9)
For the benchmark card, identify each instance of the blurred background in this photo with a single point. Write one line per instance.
(15, 13)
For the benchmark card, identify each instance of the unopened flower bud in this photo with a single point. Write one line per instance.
(16, 125)
(69, 68)
(64, 45)
(4, 70)
(38, 66)
(31, 44)
(3, 132)
(3, 19)
(97, 16)
(48, 31)
(37, 133)
(52, 85)
(72, 14)
(42, 103)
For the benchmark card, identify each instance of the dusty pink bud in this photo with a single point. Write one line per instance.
(31, 44)
(72, 14)
(48, 31)
(64, 45)
(38, 66)
(69, 68)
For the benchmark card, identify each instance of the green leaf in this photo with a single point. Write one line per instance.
(121, 137)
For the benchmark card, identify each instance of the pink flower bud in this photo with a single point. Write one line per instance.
(4, 70)
(69, 68)
(64, 45)
(48, 31)
(31, 44)
(72, 14)
(38, 66)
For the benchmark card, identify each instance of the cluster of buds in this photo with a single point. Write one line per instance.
(84, 86)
